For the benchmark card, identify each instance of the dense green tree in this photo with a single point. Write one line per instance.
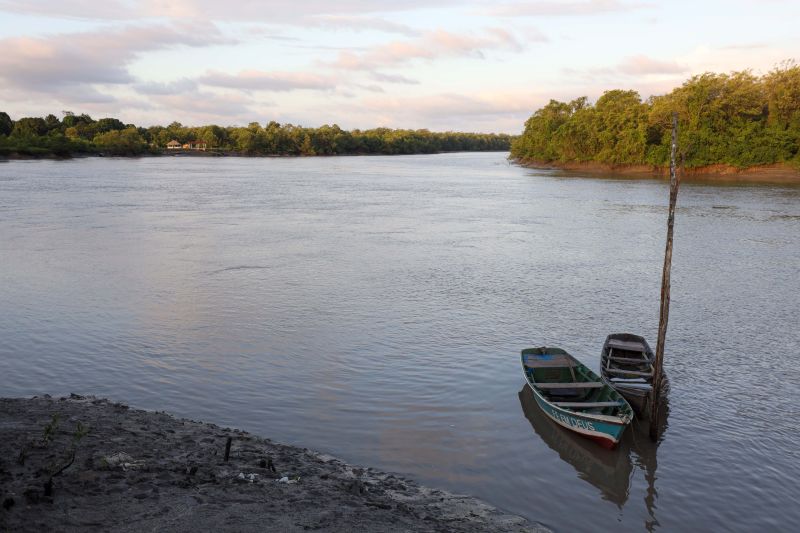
(6, 124)
(72, 120)
(52, 122)
(121, 142)
(109, 124)
(736, 119)
(29, 127)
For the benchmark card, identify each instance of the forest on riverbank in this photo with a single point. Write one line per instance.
(81, 134)
(739, 120)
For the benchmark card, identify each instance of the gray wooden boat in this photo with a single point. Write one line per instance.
(626, 363)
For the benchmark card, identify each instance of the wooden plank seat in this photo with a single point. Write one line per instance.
(631, 372)
(629, 385)
(629, 360)
(586, 405)
(632, 346)
(577, 385)
(547, 361)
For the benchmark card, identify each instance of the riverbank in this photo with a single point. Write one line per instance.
(776, 174)
(88, 464)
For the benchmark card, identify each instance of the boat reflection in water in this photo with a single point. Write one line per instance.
(610, 471)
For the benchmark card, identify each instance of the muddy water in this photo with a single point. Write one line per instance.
(375, 307)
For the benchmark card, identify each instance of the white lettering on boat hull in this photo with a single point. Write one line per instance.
(572, 421)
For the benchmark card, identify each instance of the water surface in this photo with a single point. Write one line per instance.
(375, 307)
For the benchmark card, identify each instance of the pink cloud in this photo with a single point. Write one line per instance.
(359, 23)
(206, 105)
(55, 62)
(575, 8)
(643, 65)
(250, 11)
(439, 43)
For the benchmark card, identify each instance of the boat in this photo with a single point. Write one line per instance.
(575, 397)
(626, 363)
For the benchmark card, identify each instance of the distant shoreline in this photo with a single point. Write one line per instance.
(198, 153)
(776, 173)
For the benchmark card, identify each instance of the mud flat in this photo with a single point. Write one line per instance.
(778, 174)
(89, 464)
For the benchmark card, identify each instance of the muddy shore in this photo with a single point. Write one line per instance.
(89, 464)
(773, 174)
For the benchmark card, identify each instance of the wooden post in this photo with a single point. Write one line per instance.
(674, 182)
(228, 449)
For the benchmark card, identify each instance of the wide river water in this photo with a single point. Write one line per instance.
(374, 308)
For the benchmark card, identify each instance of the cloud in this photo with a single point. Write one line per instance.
(206, 104)
(268, 32)
(453, 104)
(744, 46)
(259, 80)
(182, 85)
(393, 78)
(632, 67)
(248, 11)
(553, 9)
(86, 9)
(643, 65)
(431, 45)
(359, 24)
(55, 62)
(497, 111)
(370, 88)
(535, 35)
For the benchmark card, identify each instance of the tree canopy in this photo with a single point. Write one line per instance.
(81, 133)
(735, 119)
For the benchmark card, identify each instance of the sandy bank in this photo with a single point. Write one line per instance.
(101, 466)
(776, 174)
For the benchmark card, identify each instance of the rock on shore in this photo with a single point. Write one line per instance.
(88, 464)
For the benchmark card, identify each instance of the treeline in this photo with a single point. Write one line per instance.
(77, 134)
(735, 119)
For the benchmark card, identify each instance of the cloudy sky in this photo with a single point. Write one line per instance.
(470, 65)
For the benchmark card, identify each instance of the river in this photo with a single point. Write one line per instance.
(374, 308)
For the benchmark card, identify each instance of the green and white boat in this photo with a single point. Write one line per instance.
(575, 397)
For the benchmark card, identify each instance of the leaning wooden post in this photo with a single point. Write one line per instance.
(674, 182)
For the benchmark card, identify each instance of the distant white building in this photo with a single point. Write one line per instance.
(191, 145)
(198, 145)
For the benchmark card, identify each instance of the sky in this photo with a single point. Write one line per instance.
(465, 65)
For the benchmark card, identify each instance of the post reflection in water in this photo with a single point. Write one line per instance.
(610, 471)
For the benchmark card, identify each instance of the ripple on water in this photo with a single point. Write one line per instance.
(374, 308)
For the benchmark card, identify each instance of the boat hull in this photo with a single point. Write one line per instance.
(605, 433)
(636, 394)
(554, 370)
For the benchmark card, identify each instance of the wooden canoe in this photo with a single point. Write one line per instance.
(575, 397)
(626, 362)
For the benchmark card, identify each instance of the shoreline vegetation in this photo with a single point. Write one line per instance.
(735, 126)
(81, 135)
(88, 464)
